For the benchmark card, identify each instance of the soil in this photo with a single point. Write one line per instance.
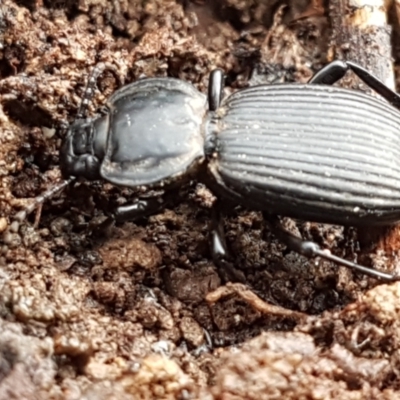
(93, 309)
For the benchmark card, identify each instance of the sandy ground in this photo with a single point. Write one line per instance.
(91, 310)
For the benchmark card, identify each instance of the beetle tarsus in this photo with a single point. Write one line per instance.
(365, 270)
(311, 249)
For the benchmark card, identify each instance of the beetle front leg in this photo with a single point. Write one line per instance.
(311, 249)
(220, 252)
(336, 70)
(215, 89)
(139, 209)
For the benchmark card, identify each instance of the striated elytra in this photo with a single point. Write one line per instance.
(311, 152)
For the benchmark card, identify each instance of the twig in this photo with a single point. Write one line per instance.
(253, 300)
(360, 33)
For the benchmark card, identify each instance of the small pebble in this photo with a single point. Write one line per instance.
(14, 226)
(48, 133)
(3, 224)
(11, 239)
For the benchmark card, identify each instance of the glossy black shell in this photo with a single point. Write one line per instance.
(313, 152)
(154, 133)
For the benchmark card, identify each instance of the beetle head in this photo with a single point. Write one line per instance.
(77, 155)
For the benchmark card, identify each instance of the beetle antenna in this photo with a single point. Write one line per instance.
(81, 114)
(91, 84)
(89, 90)
(21, 215)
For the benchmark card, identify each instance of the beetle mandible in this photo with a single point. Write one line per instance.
(308, 151)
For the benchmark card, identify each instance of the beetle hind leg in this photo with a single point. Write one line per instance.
(374, 83)
(311, 249)
(336, 70)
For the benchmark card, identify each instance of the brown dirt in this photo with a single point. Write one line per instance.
(91, 310)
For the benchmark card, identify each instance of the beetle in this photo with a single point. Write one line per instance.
(307, 151)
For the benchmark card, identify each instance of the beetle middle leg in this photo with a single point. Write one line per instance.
(336, 70)
(219, 250)
(139, 209)
(311, 249)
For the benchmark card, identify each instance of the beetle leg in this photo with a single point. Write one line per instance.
(336, 70)
(330, 74)
(374, 83)
(220, 252)
(139, 209)
(215, 89)
(311, 249)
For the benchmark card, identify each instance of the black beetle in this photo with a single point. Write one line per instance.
(313, 152)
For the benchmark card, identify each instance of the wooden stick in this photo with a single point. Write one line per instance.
(360, 33)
